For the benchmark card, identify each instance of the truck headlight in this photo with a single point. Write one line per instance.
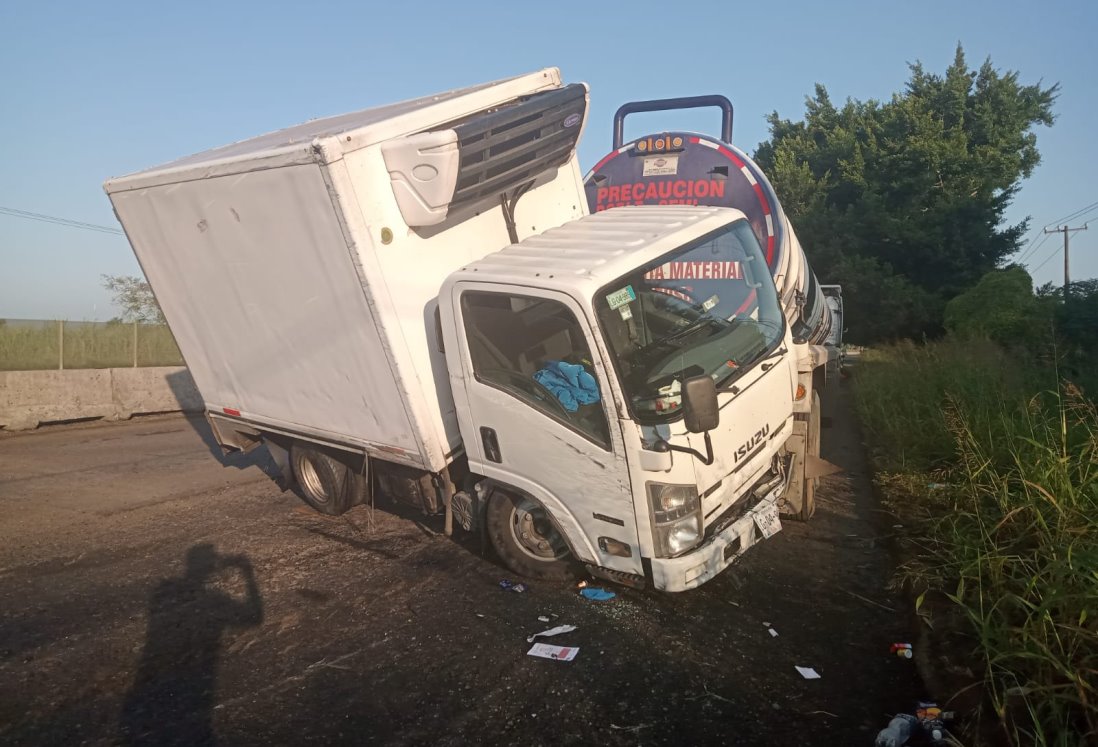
(676, 518)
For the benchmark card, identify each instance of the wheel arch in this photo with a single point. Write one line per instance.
(563, 519)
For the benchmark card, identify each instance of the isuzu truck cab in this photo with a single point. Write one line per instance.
(416, 303)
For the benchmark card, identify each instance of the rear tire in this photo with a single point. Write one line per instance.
(328, 485)
(526, 539)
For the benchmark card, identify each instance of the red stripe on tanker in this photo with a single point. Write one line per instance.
(699, 171)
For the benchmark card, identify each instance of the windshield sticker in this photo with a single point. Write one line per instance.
(711, 302)
(626, 314)
(621, 297)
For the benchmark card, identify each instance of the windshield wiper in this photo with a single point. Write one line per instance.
(765, 367)
(776, 354)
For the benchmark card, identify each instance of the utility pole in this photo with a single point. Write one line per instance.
(1066, 231)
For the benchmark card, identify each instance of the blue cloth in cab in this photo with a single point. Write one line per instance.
(569, 383)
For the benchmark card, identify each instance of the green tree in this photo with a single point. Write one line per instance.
(903, 201)
(1001, 306)
(134, 296)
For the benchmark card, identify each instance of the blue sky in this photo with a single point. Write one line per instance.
(92, 90)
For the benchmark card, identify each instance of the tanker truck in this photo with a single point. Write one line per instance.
(686, 168)
(414, 303)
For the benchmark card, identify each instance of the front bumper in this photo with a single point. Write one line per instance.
(693, 569)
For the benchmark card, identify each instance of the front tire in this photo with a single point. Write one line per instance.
(526, 539)
(326, 484)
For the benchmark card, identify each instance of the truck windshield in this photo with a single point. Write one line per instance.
(707, 308)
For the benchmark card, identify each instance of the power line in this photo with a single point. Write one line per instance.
(1072, 216)
(57, 221)
(1038, 267)
(1029, 253)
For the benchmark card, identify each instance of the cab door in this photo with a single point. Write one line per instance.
(536, 414)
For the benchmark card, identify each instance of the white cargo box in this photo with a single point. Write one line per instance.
(299, 270)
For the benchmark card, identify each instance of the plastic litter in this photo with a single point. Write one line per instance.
(897, 732)
(808, 672)
(597, 594)
(543, 619)
(773, 633)
(581, 584)
(560, 653)
(903, 650)
(929, 722)
(508, 585)
(552, 631)
(932, 720)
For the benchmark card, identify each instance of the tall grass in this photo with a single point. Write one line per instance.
(993, 465)
(86, 345)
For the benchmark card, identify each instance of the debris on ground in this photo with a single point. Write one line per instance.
(932, 720)
(808, 672)
(560, 653)
(902, 650)
(508, 585)
(581, 584)
(552, 631)
(543, 618)
(597, 594)
(929, 721)
(897, 732)
(773, 633)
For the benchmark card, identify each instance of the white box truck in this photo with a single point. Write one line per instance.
(414, 302)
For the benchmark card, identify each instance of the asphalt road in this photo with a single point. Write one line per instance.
(152, 592)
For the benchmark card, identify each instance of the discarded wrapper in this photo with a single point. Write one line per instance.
(508, 585)
(808, 672)
(560, 653)
(773, 633)
(552, 631)
(543, 619)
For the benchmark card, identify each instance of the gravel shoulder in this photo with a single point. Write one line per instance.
(154, 592)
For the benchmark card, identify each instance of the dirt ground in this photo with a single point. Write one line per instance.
(152, 592)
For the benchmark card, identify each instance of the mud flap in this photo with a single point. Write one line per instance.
(814, 467)
(281, 458)
(790, 502)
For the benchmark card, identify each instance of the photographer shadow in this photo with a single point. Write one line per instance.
(174, 691)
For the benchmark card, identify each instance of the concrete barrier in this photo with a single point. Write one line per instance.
(28, 398)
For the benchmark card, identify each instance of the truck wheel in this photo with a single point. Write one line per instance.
(326, 484)
(526, 539)
(808, 502)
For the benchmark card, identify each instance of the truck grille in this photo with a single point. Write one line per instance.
(516, 143)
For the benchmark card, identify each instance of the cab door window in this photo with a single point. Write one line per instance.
(535, 350)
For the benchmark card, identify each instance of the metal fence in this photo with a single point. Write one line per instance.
(40, 344)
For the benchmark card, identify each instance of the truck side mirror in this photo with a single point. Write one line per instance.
(699, 404)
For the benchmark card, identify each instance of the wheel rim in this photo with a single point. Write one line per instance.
(310, 480)
(535, 534)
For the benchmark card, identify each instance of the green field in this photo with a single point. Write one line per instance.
(38, 346)
(990, 462)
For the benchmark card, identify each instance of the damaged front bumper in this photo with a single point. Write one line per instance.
(720, 550)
